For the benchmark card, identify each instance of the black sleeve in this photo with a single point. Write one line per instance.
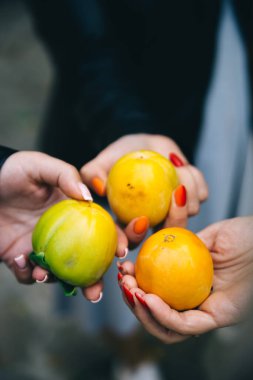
(80, 38)
(5, 153)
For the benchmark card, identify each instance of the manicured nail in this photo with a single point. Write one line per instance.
(42, 281)
(128, 295)
(98, 186)
(21, 262)
(120, 276)
(120, 267)
(180, 196)
(141, 300)
(176, 161)
(125, 252)
(99, 298)
(141, 225)
(85, 192)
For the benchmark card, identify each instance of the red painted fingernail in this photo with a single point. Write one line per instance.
(141, 225)
(120, 267)
(180, 196)
(141, 300)
(120, 276)
(128, 295)
(176, 161)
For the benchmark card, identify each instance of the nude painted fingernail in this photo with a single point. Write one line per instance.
(42, 281)
(125, 253)
(99, 298)
(180, 196)
(141, 225)
(21, 262)
(85, 192)
(98, 185)
(176, 161)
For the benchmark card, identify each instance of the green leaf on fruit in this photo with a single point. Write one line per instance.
(69, 290)
(39, 259)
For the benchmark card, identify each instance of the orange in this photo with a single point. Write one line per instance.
(175, 264)
(141, 184)
(77, 240)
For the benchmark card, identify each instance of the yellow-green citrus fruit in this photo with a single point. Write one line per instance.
(78, 239)
(141, 184)
(176, 265)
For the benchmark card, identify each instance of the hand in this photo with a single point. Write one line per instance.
(231, 245)
(30, 182)
(96, 171)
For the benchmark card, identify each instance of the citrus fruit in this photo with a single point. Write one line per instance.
(175, 264)
(141, 184)
(77, 240)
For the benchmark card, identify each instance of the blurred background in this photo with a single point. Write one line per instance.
(42, 335)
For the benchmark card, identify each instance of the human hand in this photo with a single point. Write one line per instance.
(30, 182)
(183, 205)
(231, 245)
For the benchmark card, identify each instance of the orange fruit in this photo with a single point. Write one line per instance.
(141, 184)
(77, 240)
(175, 264)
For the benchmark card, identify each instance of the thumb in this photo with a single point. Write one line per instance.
(209, 234)
(57, 173)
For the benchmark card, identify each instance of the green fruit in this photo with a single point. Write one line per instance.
(77, 241)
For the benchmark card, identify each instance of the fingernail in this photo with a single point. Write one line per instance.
(120, 267)
(176, 161)
(120, 276)
(128, 295)
(125, 252)
(98, 186)
(141, 300)
(180, 196)
(141, 225)
(21, 262)
(42, 281)
(85, 192)
(99, 298)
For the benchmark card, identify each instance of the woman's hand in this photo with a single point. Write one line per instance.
(30, 182)
(186, 198)
(231, 245)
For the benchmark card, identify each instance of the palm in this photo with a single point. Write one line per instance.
(19, 211)
(231, 245)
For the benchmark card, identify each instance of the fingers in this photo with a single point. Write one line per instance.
(58, 173)
(136, 230)
(40, 275)
(178, 213)
(94, 293)
(94, 175)
(209, 234)
(122, 248)
(23, 269)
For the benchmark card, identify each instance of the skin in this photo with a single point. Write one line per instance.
(231, 245)
(190, 176)
(30, 182)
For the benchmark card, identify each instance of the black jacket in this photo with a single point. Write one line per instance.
(129, 66)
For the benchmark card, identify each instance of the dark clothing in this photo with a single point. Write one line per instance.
(129, 66)
(5, 153)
